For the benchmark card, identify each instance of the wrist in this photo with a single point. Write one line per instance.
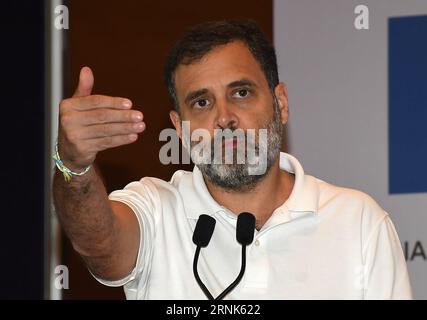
(68, 172)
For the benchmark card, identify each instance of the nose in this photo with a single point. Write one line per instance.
(225, 117)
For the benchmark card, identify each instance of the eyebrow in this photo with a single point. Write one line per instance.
(195, 94)
(242, 83)
(238, 83)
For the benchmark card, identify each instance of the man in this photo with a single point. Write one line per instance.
(312, 240)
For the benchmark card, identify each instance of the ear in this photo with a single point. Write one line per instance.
(281, 92)
(176, 121)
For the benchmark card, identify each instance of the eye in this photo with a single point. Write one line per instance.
(202, 103)
(242, 93)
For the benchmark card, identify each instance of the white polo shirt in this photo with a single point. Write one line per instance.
(324, 242)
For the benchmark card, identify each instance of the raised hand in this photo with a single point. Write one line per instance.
(92, 123)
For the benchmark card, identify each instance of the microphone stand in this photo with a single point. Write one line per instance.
(196, 275)
(202, 234)
(239, 277)
(244, 235)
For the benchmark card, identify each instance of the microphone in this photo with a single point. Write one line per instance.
(202, 235)
(244, 235)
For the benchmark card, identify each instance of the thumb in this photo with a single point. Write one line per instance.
(84, 88)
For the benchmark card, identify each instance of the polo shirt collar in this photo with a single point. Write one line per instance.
(303, 198)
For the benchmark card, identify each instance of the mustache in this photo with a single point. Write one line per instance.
(231, 141)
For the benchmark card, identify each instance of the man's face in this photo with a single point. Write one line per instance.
(226, 85)
(228, 89)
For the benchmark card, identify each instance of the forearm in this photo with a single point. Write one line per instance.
(85, 213)
(104, 233)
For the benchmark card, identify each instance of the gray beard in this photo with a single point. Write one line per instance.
(236, 177)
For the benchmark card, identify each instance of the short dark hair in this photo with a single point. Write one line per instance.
(204, 37)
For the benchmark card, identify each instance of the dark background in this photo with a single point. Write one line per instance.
(22, 157)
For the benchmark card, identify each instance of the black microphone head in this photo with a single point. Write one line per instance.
(204, 229)
(245, 228)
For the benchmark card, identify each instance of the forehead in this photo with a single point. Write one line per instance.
(223, 65)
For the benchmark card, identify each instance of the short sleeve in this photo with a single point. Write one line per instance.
(142, 197)
(385, 271)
